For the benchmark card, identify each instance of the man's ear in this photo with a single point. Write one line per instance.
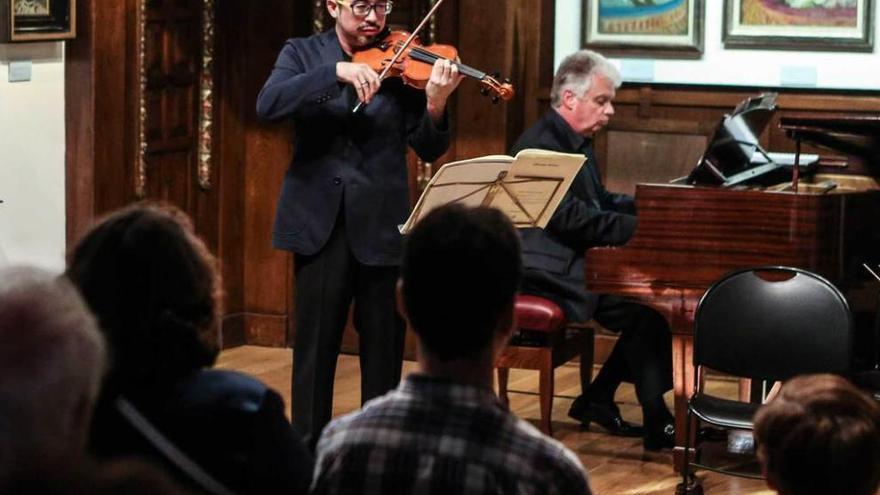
(333, 8)
(771, 483)
(762, 461)
(78, 426)
(398, 296)
(507, 322)
(568, 99)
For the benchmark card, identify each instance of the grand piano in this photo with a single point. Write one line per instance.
(690, 235)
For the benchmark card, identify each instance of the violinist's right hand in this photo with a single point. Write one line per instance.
(364, 79)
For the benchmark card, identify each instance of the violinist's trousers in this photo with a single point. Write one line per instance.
(326, 284)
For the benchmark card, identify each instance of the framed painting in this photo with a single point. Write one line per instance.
(37, 20)
(839, 25)
(644, 28)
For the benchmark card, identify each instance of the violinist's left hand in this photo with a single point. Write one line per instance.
(444, 79)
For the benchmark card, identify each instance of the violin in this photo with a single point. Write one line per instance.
(392, 56)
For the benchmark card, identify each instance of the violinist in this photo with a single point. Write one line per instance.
(343, 196)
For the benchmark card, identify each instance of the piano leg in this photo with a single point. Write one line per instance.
(683, 387)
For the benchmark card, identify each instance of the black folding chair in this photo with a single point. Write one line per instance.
(869, 380)
(766, 323)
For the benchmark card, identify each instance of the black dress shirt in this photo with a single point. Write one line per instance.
(589, 216)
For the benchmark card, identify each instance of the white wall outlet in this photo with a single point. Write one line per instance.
(20, 70)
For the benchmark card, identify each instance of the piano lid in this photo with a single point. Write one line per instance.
(858, 136)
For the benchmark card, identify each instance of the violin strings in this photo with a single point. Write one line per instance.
(429, 57)
(426, 56)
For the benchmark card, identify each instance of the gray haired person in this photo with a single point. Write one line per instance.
(581, 101)
(52, 359)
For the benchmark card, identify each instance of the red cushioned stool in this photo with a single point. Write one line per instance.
(542, 342)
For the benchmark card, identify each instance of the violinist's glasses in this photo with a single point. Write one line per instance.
(363, 9)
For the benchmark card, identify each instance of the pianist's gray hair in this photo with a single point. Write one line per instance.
(576, 73)
(51, 364)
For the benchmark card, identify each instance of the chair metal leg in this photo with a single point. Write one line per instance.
(503, 374)
(546, 397)
(689, 484)
(693, 489)
(587, 341)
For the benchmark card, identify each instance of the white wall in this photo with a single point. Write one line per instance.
(32, 219)
(763, 68)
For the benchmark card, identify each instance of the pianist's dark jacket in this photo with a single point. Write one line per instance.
(589, 216)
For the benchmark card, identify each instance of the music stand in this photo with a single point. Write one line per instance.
(528, 188)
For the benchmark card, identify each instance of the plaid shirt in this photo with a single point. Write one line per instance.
(434, 436)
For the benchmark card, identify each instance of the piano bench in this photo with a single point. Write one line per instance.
(543, 341)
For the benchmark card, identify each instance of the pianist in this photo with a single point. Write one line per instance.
(590, 216)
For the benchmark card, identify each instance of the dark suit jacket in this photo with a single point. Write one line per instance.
(589, 216)
(352, 162)
(230, 424)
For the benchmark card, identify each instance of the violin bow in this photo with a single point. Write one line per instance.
(406, 44)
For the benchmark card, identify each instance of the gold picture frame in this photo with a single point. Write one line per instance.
(657, 28)
(37, 20)
(795, 25)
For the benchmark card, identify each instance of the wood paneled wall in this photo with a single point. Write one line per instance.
(515, 40)
(235, 214)
(252, 157)
(656, 135)
(95, 114)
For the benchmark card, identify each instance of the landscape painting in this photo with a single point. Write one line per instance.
(799, 24)
(31, 7)
(37, 20)
(670, 28)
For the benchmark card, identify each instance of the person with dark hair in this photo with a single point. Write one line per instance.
(155, 290)
(589, 216)
(344, 195)
(443, 430)
(52, 359)
(820, 436)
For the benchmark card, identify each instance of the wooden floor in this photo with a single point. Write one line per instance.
(615, 465)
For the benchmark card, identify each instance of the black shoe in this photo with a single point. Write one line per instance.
(660, 438)
(605, 414)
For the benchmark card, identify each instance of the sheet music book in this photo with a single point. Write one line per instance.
(527, 188)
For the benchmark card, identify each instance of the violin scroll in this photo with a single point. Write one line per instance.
(499, 90)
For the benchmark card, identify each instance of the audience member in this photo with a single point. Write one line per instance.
(129, 477)
(443, 430)
(154, 287)
(51, 361)
(820, 435)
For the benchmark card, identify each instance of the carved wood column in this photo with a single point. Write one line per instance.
(516, 40)
(95, 114)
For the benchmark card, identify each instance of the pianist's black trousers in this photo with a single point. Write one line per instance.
(326, 284)
(642, 355)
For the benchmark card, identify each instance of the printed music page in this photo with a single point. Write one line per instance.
(537, 181)
(528, 188)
